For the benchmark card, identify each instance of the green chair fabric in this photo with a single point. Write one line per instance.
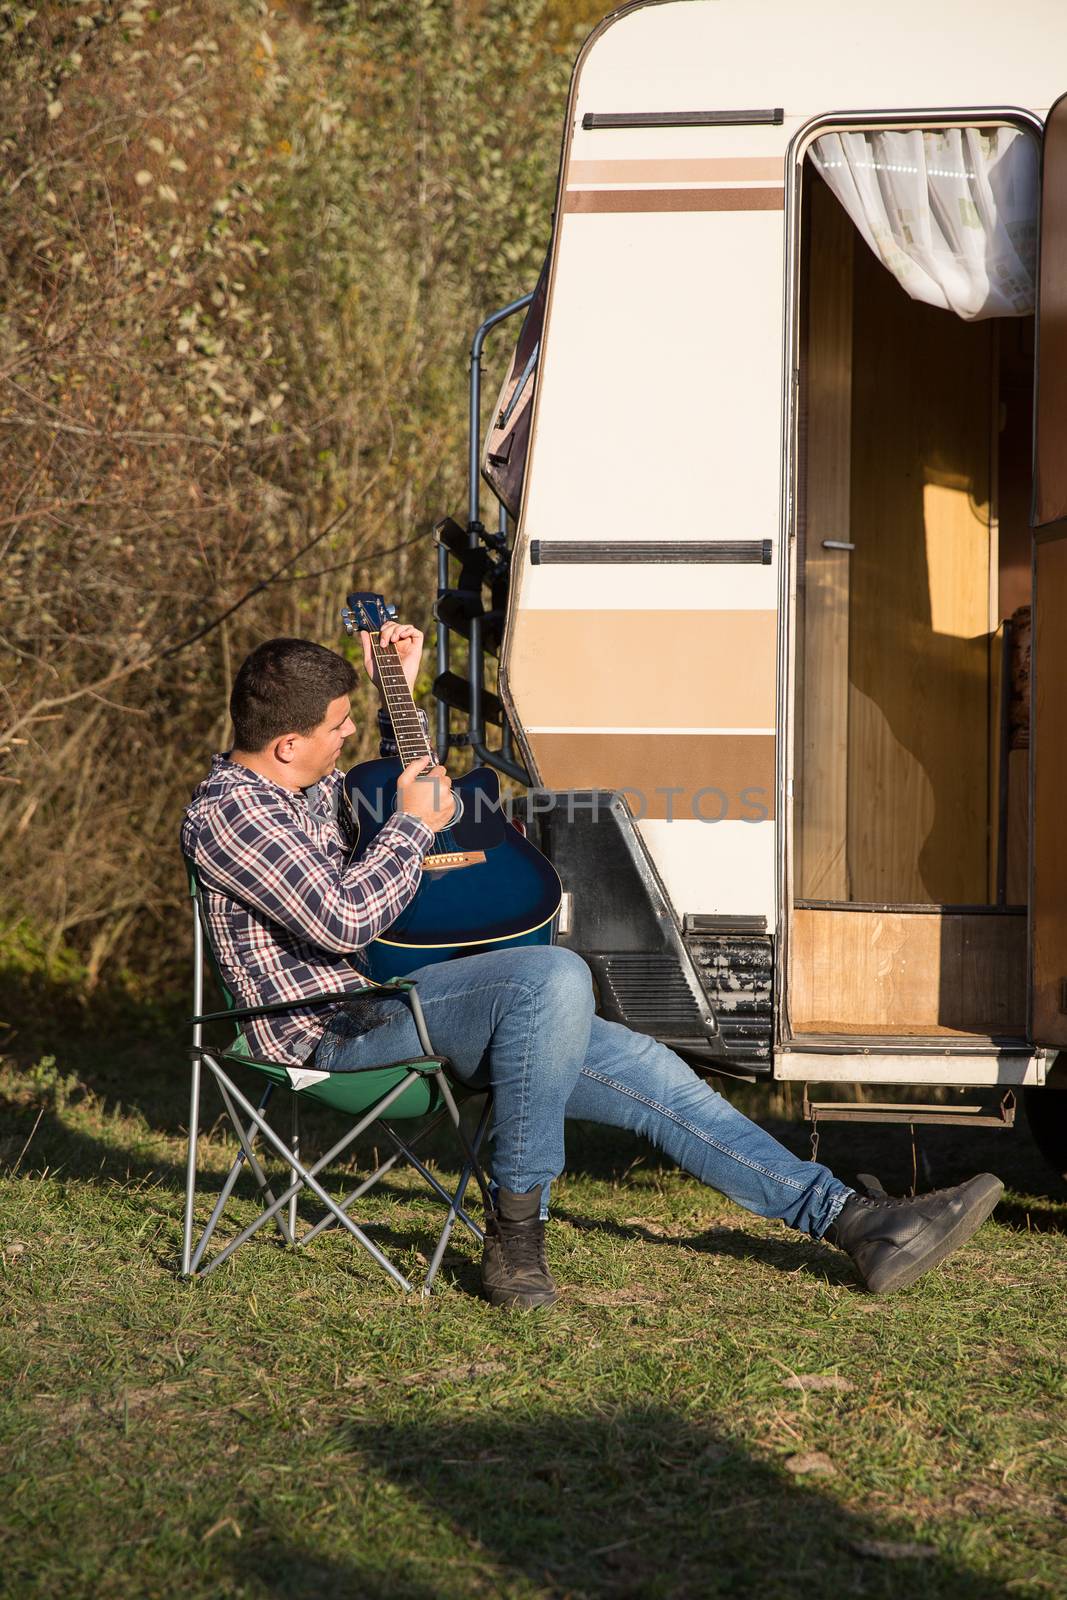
(351, 1093)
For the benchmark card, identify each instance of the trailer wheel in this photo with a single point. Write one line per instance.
(1046, 1112)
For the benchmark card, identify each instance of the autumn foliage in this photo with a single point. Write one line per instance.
(244, 249)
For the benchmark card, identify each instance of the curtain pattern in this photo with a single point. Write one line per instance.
(952, 214)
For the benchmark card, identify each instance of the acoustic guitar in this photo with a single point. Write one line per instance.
(484, 886)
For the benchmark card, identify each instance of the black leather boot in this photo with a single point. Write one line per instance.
(893, 1242)
(514, 1269)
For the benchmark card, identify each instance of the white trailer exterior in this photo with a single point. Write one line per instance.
(653, 639)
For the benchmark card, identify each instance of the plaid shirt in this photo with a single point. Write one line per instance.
(287, 909)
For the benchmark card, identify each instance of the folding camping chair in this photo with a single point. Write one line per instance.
(406, 1090)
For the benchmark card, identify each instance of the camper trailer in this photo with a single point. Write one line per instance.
(780, 631)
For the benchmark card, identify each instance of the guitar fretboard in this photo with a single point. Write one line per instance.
(411, 741)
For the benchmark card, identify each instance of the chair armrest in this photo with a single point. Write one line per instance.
(241, 1013)
(424, 1064)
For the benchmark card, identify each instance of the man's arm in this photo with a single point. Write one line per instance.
(254, 849)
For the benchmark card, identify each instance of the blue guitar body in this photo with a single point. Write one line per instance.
(492, 889)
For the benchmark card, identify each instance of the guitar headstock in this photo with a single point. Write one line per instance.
(366, 612)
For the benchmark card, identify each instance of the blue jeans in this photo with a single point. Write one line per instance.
(521, 1021)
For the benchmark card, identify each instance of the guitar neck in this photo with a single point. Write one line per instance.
(411, 742)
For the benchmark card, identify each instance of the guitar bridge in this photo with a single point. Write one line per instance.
(450, 859)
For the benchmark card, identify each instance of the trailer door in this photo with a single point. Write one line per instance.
(1048, 723)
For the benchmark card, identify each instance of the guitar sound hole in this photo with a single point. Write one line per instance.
(457, 812)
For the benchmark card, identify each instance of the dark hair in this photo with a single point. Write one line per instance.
(285, 686)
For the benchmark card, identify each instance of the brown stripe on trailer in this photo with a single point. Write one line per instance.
(644, 669)
(715, 169)
(720, 777)
(583, 201)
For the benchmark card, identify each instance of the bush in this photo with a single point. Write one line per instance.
(244, 253)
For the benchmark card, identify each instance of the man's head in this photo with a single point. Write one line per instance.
(290, 710)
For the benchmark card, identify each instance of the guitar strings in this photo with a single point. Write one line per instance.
(401, 707)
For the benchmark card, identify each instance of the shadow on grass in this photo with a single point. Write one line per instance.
(1026, 1218)
(126, 1050)
(600, 1153)
(68, 1152)
(133, 1054)
(936, 1158)
(788, 1252)
(71, 1153)
(642, 1502)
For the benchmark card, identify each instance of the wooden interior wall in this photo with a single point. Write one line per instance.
(1015, 483)
(1015, 475)
(1049, 738)
(918, 765)
(821, 809)
(916, 972)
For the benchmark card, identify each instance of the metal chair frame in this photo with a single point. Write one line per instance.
(250, 1123)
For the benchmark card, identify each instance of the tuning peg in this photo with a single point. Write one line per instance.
(348, 620)
(390, 613)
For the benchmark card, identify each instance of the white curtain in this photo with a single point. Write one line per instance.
(952, 214)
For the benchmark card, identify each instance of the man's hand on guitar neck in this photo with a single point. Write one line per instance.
(408, 642)
(425, 791)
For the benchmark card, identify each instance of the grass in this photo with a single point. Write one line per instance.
(712, 1409)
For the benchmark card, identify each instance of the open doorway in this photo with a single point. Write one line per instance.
(912, 646)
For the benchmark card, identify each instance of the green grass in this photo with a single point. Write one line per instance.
(293, 1427)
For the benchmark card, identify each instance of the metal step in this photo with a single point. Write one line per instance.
(648, 992)
(981, 1114)
(456, 692)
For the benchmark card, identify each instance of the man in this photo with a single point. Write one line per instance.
(289, 912)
